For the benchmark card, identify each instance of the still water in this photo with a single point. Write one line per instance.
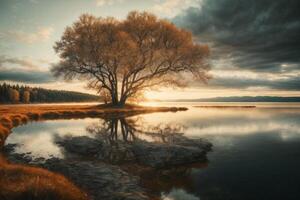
(256, 151)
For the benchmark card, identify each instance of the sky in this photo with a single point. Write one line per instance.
(255, 44)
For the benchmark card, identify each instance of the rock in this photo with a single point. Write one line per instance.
(184, 141)
(117, 153)
(18, 158)
(100, 180)
(178, 150)
(167, 155)
(82, 145)
(9, 148)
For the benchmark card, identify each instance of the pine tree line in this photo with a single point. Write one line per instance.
(24, 94)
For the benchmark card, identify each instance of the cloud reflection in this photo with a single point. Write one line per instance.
(179, 194)
(220, 126)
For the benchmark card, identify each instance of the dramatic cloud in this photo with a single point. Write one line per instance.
(258, 35)
(26, 76)
(23, 70)
(171, 8)
(254, 44)
(289, 83)
(254, 81)
(41, 35)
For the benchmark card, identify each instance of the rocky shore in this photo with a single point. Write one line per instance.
(97, 166)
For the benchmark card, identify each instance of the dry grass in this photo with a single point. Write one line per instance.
(22, 182)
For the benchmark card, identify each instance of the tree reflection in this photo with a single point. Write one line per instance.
(131, 129)
(118, 133)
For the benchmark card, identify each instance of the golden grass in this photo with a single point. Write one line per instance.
(22, 182)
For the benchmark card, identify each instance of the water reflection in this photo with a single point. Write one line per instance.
(219, 125)
(119, 133)
(256, 151)
(132, 129)
(178, 194)
(110, 131)
(38, 138)
(173, 183)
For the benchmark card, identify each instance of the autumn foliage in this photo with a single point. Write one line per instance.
(128, 56)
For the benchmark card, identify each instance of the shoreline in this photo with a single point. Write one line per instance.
(225, 106)
(134, 173)
(13, 116)
(14, 167)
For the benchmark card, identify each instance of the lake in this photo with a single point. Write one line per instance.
(255, 153)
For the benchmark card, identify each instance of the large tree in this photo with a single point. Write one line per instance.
(126, 57)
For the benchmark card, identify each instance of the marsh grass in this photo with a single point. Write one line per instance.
(19, 182)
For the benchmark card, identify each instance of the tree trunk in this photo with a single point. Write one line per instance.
(116, 102)
(122, 100)
(114, 98)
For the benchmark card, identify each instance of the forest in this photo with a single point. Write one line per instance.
(23, 94)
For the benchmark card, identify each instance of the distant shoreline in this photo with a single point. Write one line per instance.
(241, 99)
(212, 106)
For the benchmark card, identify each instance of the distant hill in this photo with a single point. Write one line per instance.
(243, 99)
(24, 94)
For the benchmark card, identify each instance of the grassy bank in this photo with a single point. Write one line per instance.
(24, 182)
(14, 115)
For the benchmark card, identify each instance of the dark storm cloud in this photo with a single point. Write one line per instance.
(289, 83)
(26, 76)
(22, 70)
(259, 35)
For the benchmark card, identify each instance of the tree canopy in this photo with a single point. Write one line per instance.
(125, 57)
